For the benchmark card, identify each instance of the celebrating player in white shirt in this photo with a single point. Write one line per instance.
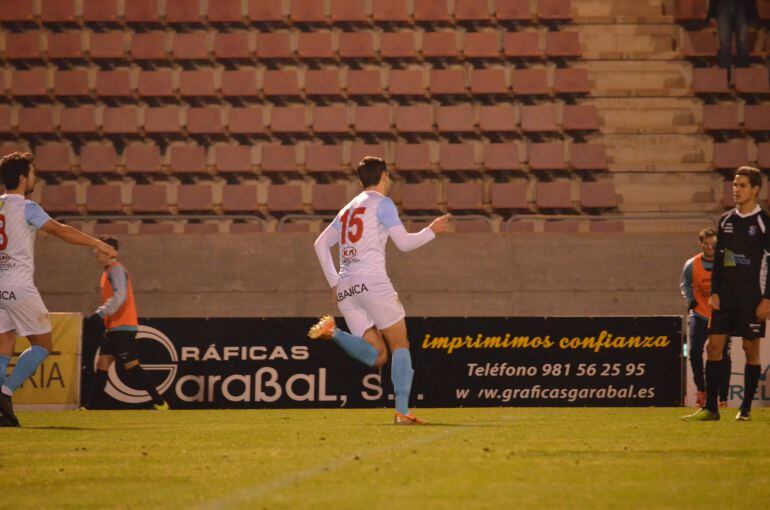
(362, 289)
(22, 311)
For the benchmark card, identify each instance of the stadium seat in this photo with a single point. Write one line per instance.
(232, 45)
(360, 150)
(148, 45)
(702, 44)
(563, 44)
(284, 198)
(204, 120)
(455, 119)
(239, 198)
(17, 11)
(372, 119)
(501, 157)
(274, 45)
(406, 82)
(447, 81)
(104, 198)
(281, 83)
(489, 81)
(728, 199)
(122, 120)
(183, 11)
(306, 11)
(162, 120)
(414, 119)
(246, 120)
(457, 157)
(481, 44)
(440, 44)
(225, 11)
(5, 119)
(322, 82)
(329, 198)
(278, 159)
(330, 119)
(539, 118)
(554, 10)
(266, 11)
(29, 82)
(367, 82)
(157, 83)
(114, 84)
(529, 82)
(555, 195)
(519, 226)
(431, 11)
(11, 147)
(756, 118)
(521, 45)
(98, 158)
(142, 11)
(80, 119)
(690, 10)
(187, 159)
(233, 159)
(141, 158)
(763, 155)
(598, 195)
(465, 196)
(53, 158)
(195, 198)
(65, 45)
(513, 10)
(752, 80)
(710, 80)
(722, 117)
(412, 158)
(348, 11)
(501, 118)
(398, 45)
(58, 11)
(240, 83)
(107, 45)
(149, 199)
(71, 83)
(580, 117)
(323, 159)
(571, 80)
(730, 155)
(315, 45)
(546, 156)
(59, 199)
(38, 120)
(288, 119)
(390, 11)
(471, 10)
(357, 45)
(424, 196)
(588, 156)
(509, 196)
(190, 46)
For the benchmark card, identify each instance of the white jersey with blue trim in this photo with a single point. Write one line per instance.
(363, 234)
(19, 221)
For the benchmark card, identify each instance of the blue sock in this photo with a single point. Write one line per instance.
(356, 347)
(4, 360)
(401, 374)
(26, 365)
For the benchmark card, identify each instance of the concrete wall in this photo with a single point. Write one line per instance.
(458, 274)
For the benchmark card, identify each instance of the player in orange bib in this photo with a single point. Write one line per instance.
(118, 311)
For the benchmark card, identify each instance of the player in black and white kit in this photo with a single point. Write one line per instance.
(740, 291)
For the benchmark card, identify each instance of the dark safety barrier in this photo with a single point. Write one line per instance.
(475, 361)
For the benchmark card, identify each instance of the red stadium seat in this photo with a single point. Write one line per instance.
(281, 83)
(320, 159)
(187, 159)
(142, 11)
(424, 196)
(199, 83)
(598, 195)
(732, 154)
(239, 198)
(440, 44)
(399, 44)
(538, 118)
(358, 151)
(30, 82)
(120, 120)
(322, 82)
(455, 119)
(763, 155)
(564, 44)
(315, 45)
(11, 147)
(148, 46)
(348, 11)
(723, 117)
(71, 83)
(357, 45)
(366, 82)
(65, 45)
(471, 10)
(481, 44)
(142, 158)
(554, 195)
(457, 157)
(38, 120)
(183, 11)
(588, 156)
(195, 198)
(58, 11)
(372, 119)
(489, 81)
(113, 84)
(277, 159)
(414, 119)
(529, 82)
(204, 120)
(728, 199)
(53, 158)
(525, 44)
(104, 198)
(501, 157)
(149, 199)
(288, 119)
(513, 10)
(5, 119)
(274, 45)
(572, 80)
(329, 197)
(546, 156)
(710, 80)
(225, 11)
(447, 81)
(159, 83)
(59, 199)
(245, 120)
(756, 118)
(580, 117)
(690, 10)
(554, 10)
(233, 159)
(81, 119)
(162, 120)
(390, 10)
(330, 119)
(413, 158)
(17, 11)
(107, 45)
(406, 82)
(699, 44)
(465, 196)
(241, 83)
(98, 158)
(752, 80)
(500, 118)
(233, 45)
(307, 11)
(190, 46)
(431, 11)
(284, 198)
(509, 196)
(263, 11)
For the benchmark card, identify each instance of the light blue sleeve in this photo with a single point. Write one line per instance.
(35, 215)
(119, 282)
(388, 214)
(685, 282)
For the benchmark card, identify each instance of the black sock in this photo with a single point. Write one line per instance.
(138, 374)
(724, 383)
(750, 381)
(95, 398)
(712, 385)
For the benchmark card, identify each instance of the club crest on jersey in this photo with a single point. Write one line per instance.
(351, 291)
(728, 228)
(753, 230)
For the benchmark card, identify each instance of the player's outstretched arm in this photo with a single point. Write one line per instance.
(405, 241)
(75, 236)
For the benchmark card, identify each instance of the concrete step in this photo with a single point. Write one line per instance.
(649, 115)
(669, 191)
(629, 42)
(640, 78)
(659, 153)
(622, 11)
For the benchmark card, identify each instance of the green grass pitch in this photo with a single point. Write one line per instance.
(488, 458)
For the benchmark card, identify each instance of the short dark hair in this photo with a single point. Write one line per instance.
(706, 233)
(111, 240)
(13, 166)
(370, 170)
(755, 177)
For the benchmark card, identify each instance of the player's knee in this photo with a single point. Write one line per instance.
(713, 351)
(382, 358)
(128, 360)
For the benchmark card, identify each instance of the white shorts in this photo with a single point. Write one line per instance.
(367, 301)
(22, 309)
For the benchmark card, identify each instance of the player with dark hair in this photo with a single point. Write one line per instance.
(118, 311)
(740, 291)
(362, 289)
(695, 284)
(22, 311)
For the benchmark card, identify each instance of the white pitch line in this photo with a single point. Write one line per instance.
(249, 494)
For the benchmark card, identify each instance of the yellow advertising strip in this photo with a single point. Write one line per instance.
(56, 383)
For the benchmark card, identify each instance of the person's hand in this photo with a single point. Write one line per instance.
(106, 249)
(763, 310)
(440, 224)
(714, 301)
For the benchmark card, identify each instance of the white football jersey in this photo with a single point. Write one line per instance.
(363, 228)
(19, 220)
